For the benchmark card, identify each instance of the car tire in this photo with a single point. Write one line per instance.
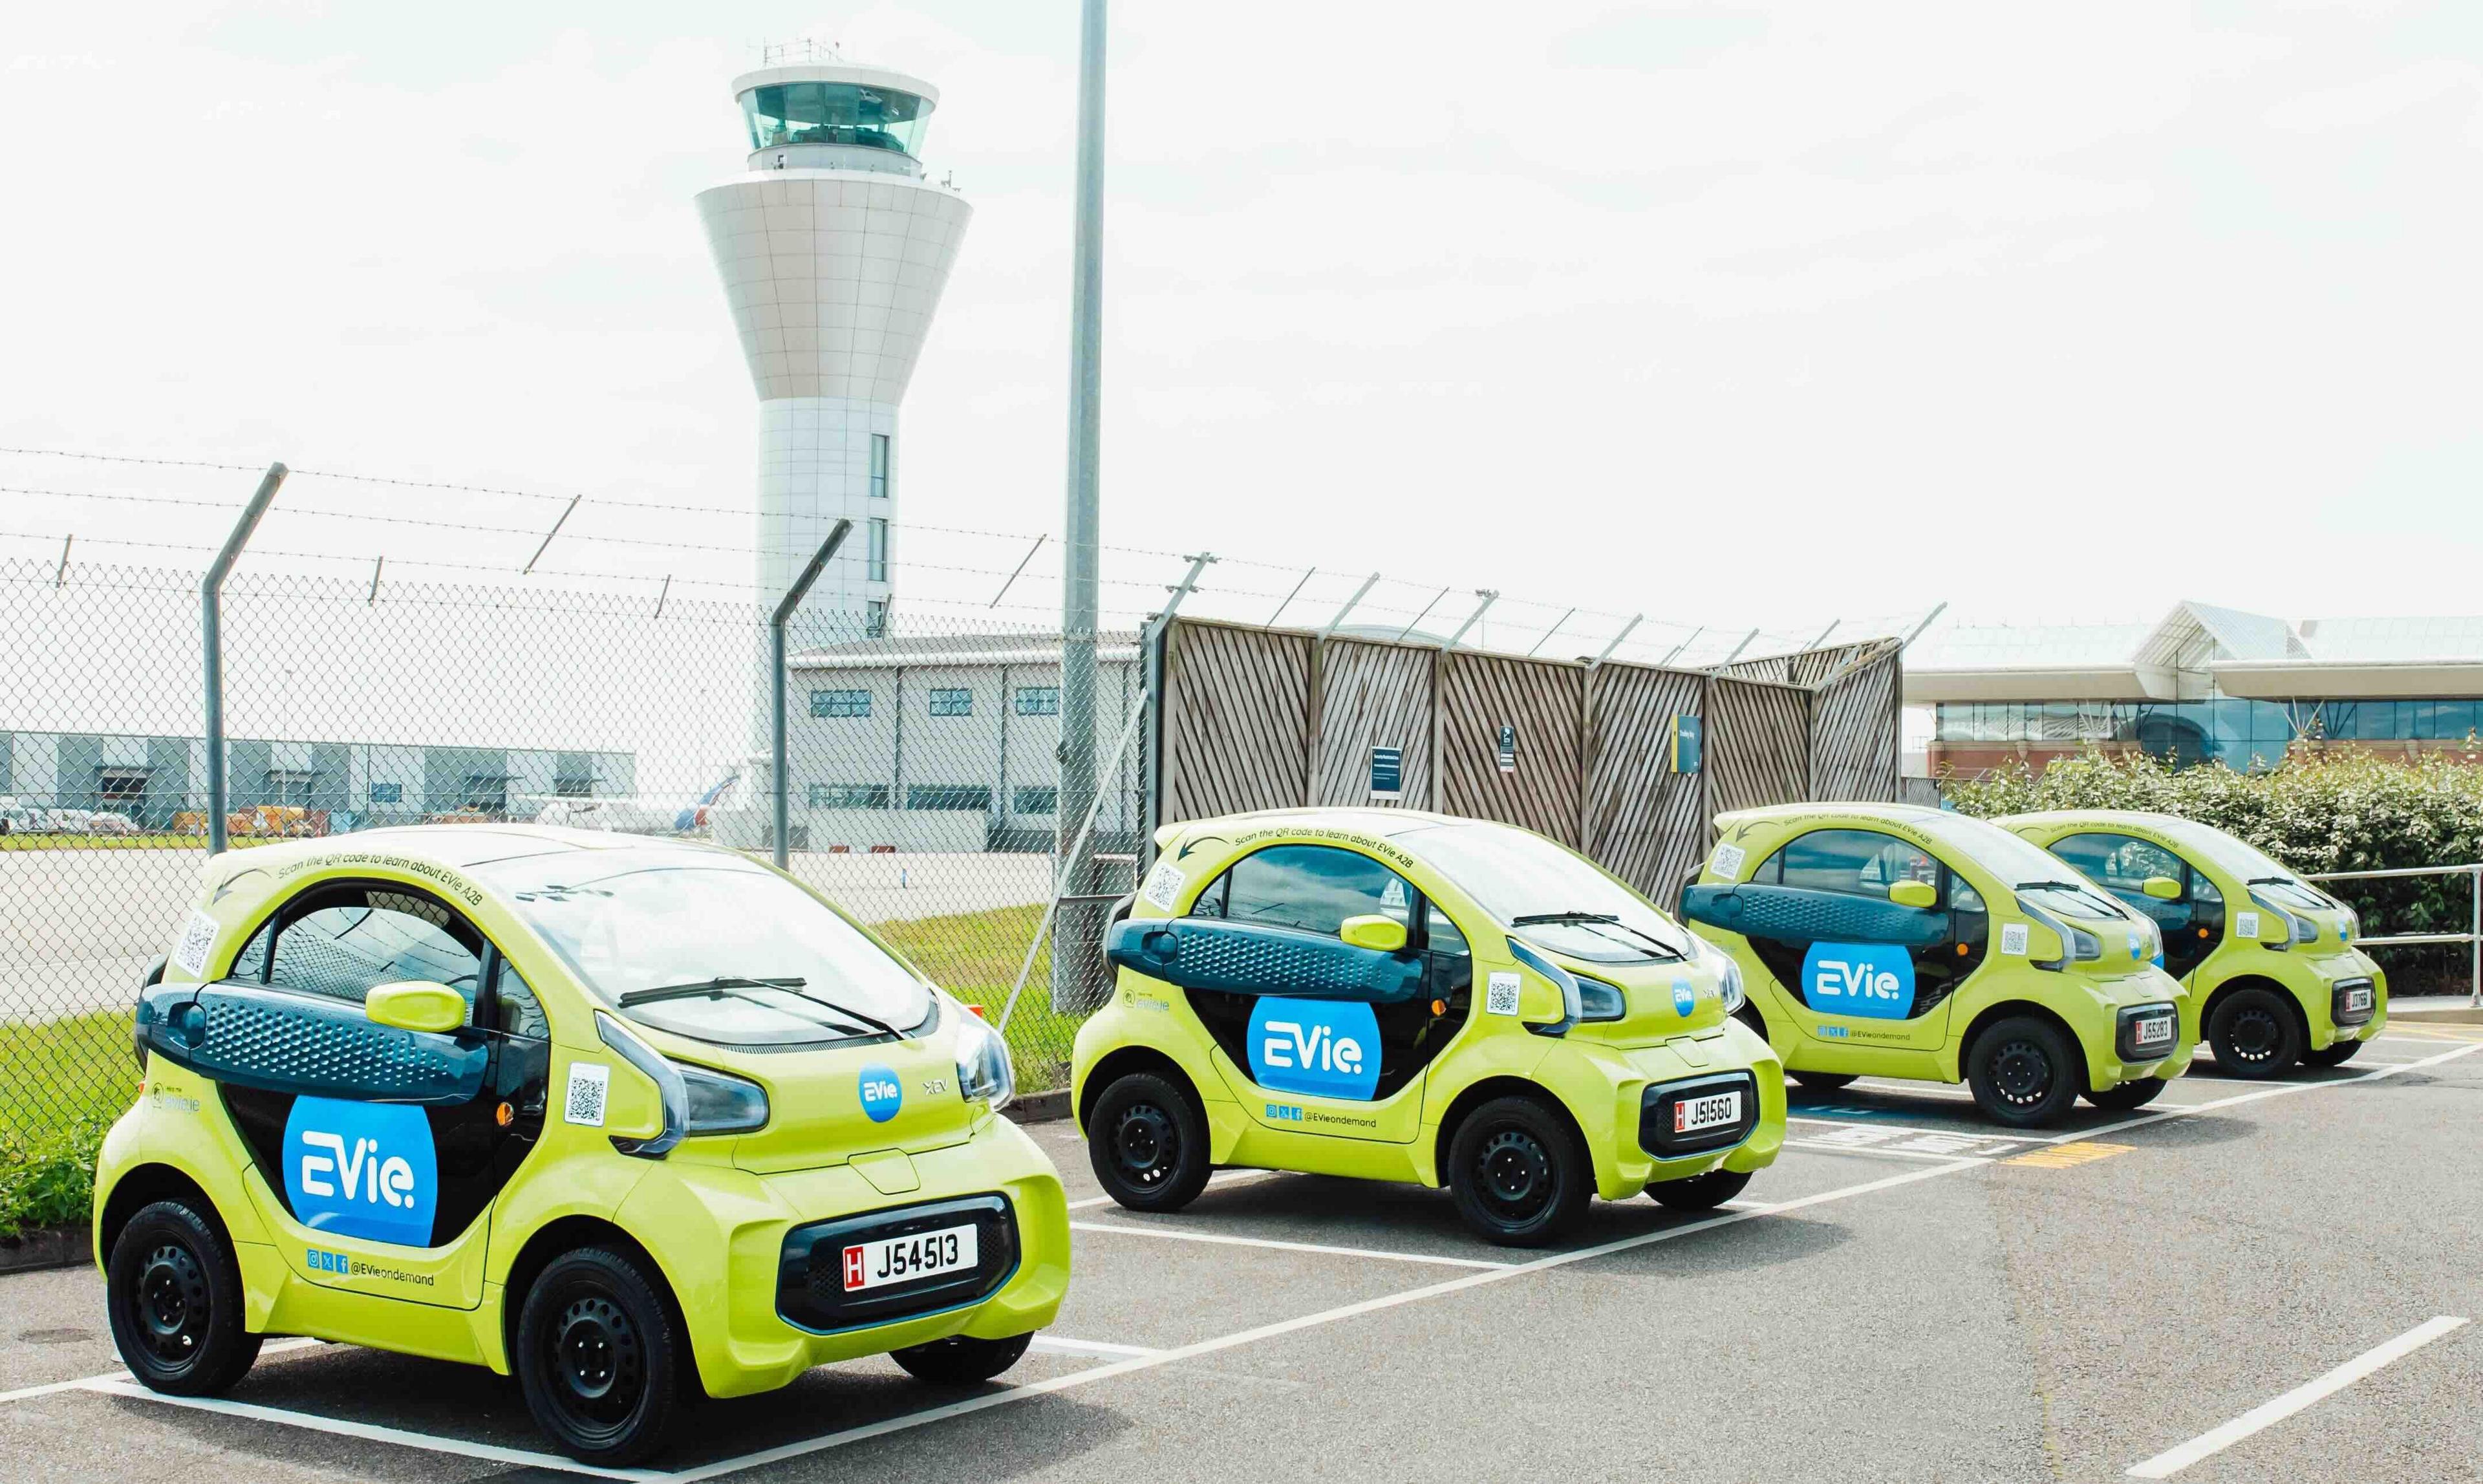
(1147, 1142)
(2335, 1053)
(961, 1359)
(2122, 1096)
(1700, 1192)
(598, 1357)
(2024, 1073)
(175, 1297)
(1519, 1177)
(1825, 1081)
(2254, 1034)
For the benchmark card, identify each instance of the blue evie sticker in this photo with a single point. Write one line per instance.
(1685, 997)
(1874, 981)
(361, 1168)
(882, 1095)
(1319, 1047)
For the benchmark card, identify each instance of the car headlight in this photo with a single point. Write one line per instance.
(1728, 978)
(722, 1103)
(1600, 1002)
(983, 1070)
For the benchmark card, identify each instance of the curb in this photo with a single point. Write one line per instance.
(43, 1247)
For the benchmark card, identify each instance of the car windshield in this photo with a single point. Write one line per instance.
(1553, 897)
(711, 947)
(2039, 878)
(2254, 867)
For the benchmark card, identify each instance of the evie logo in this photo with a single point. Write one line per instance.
(1874, 981)
(1685, 997)
(361, 1168)
(1321, 1048)
(881, 1093)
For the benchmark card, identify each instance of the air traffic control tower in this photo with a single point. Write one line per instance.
(834, 250)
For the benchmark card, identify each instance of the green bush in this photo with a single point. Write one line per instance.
(2321, 811)
(48, 1182)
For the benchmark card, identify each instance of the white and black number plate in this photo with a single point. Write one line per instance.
(905, 1258)
(1713, 1111)
(2154, 1030)
(2358, 999)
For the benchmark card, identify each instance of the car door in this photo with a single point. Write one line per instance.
(2191, 924)
(384, 1146)
(1274, 1043)
(1823, 894)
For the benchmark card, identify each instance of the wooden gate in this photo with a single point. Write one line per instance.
(1509, 732)
(1372, 695)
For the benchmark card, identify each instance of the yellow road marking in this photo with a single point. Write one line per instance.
(2063, 1156)
(2433, 1030)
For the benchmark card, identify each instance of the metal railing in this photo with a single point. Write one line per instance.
(2472, 937)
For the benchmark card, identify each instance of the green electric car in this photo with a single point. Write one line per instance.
(1408, 996)
(1880, 939)
(2274, 975)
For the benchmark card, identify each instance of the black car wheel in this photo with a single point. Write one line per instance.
(2254, 1034)
(1517, 1173)
(2023, 1071)
(173, 1294)
(2335, 1053)
(1700, 1192)
(2122, 1096)
(1825, 1081)
(597, 1357)
(1147, 1142)
(961, 1359)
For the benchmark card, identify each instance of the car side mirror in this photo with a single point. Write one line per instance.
(1914, 893)
(415, 1004)
(1372, 931)
(2164, 889)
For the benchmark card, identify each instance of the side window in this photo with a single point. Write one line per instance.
(347, 949)
(2121, 862)
(520, 1013)
(1444, 935)
(251, 963)
(1856, 862)
(1313, 887)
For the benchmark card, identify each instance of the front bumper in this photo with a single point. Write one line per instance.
(731, 1242)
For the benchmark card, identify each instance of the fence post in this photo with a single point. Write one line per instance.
(781, 786)
(2474, 942)
(211, 591)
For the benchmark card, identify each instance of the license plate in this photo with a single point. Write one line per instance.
(2358, 999)
(905, 1258)
(2154, 1030)
(1716, 1109)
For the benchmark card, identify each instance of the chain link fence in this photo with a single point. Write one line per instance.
(924, 772)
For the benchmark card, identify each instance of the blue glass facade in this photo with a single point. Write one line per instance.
(2239, 733)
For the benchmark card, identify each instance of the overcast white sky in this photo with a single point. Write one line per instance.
(1753, 312)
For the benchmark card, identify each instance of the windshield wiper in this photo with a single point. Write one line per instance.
(1534, 918)
(2049, 885)
(722, 984)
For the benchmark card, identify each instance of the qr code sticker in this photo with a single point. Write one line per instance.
(1164, 886)
(587, 1083)
(2013, 939)
(1500, 999)
(2246, 924)
(198, 937)
(1727, 862)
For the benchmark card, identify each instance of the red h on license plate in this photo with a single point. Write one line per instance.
(1692, 1114)
(853, 1268)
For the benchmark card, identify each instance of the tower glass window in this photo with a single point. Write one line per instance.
(879, 466)
(878, 550)
(835, 113)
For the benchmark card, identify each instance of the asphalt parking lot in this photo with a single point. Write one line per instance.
(2244, 1282)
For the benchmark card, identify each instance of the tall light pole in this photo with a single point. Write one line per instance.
(1073, 949)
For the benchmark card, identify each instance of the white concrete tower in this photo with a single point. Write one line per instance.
(834, 250)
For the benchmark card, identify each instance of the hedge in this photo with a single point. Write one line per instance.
(2321, 811)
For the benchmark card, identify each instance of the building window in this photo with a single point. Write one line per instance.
(388, 793)
(840, 703)
(957, 797)
(948, 702)
(875, 619)
(290, 785)
(878, 548)
(487, 793)
(879, 466)
(573, 788)
(1039, 801)
(115, 787)
(848, 796)
(1038, 700)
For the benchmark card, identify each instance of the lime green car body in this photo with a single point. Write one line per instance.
(1921, 1012)
(542, 1162)
(1481, 1033)
(2294, 939)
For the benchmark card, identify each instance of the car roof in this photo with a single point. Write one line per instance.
(1897, 813)
(1367, 820)
(457, 847)
(2144, 818)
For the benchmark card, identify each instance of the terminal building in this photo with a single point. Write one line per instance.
(2202, 684)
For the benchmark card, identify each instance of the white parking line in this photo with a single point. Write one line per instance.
(1821, 1147)
(1219, 1179)
(1097, 1349)
(374, 1433)
(2171, 1461)
(84, 1382)
(1166, 1233)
